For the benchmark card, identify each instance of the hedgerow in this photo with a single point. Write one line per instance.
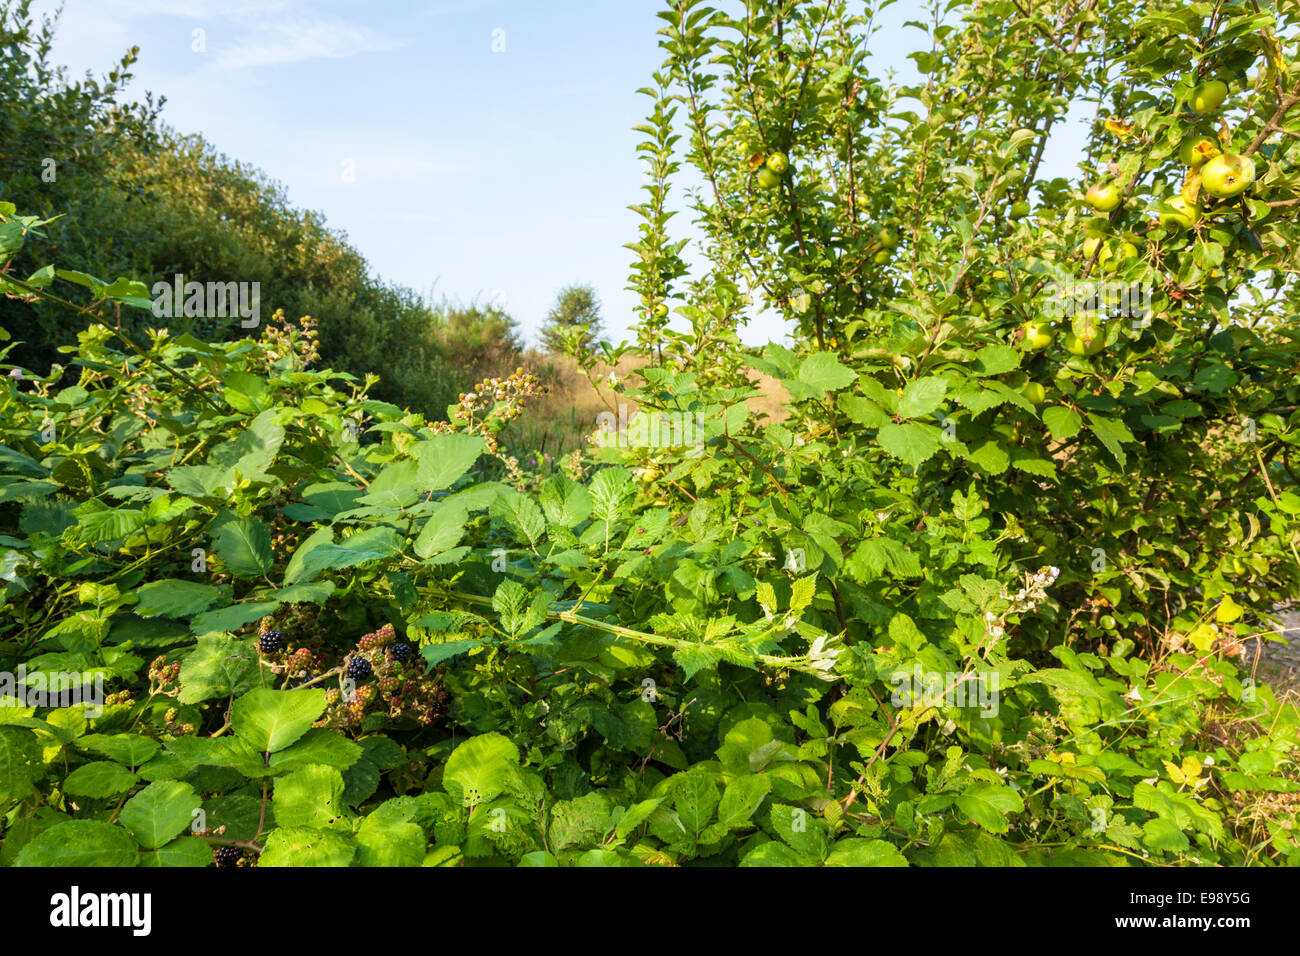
(980, 597)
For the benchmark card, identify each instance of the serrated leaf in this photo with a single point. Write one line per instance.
(443, 530)
(443, 459)
(922, 397)
(160, 811)
(76, 843)
(303, 846)
(271, 720)
(480, 769)
(822, 371)
(1062, 422)
(912, 442)
(173, 597)
(243, 543)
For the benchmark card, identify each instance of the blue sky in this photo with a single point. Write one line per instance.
(450, 166)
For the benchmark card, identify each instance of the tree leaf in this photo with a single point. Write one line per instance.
(922, 397)
(912, 442)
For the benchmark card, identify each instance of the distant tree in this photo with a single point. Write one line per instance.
(575, 305)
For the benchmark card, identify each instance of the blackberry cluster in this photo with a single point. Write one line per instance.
(359, 668)
(227, 855)
(401, 651)
(270, 642)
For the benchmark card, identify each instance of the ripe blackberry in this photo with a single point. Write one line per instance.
(401, 651)
(359, 668)
(227, 855)
(270, 642)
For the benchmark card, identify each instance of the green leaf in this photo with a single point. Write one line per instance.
(565, 501)
(159, 812)
(988, 803)
(131, 750)
(581, 822)
(21, 762)
(100, 779)
(480, 769)
(740, 800)
(232, 618)
(611, 493)
(311, 796)
(913, 442)
(188, 851)
(443, 530)
(372, 544)
(247, 393)
(219, 666)
(384, 842)
(244, 545)
(922, 397)
(996, 359)
(1062, 422)
(173, 597)
(445, 458)
(1111, 432)
(855, 851)
(635, 815)
(303, 846)
(318, 746)
(437, 653)
(522, 514)
(270, 720)
(74, 843)
(822, 371)
(1162, 834)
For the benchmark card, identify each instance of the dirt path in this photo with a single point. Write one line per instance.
(1279, 663)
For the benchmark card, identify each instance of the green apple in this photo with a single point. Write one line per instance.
(1089, 340)
(1038, 335)
(887, 238)
(778, 163)
(768, 179)
(1035, 392)
(1197, 150)
(1180, 215)
(1019, 210)
(661, 310)
(1227, 175)
(1209, 96)
(881, 257)
(1090, 246)
(1103, 198)
(1108, 260)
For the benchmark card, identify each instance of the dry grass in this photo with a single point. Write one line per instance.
(561, 420)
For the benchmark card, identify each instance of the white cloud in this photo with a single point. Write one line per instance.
(273, 42)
